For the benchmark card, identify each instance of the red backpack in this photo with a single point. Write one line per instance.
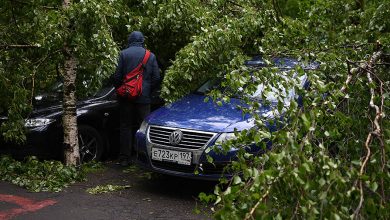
(132, 83)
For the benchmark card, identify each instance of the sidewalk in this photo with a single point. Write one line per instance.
(161, 197)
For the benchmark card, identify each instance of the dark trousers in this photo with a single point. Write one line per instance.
(131, 116)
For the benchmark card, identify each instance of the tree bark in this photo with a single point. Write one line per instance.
(69, 119)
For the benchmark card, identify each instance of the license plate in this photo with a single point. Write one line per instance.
(179, 157)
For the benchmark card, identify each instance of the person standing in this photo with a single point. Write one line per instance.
(133, 112)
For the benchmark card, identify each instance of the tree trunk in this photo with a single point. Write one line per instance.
(69, 119)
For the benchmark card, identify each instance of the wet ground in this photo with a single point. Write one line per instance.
(149, 196)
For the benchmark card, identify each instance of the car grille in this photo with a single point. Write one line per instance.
(174, 166)
(191, 139)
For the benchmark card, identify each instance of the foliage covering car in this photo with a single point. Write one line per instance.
(178, 139)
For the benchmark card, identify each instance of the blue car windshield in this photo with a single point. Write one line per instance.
(208, 86)
(271, 93)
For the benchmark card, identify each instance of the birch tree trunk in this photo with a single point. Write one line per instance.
(69, 119)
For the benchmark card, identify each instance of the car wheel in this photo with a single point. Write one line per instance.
(90, 144)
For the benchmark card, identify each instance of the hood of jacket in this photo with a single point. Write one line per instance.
(136, 38)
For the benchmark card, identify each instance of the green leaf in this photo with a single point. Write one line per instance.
(236, 180)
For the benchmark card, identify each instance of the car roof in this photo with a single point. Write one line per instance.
(281, 63)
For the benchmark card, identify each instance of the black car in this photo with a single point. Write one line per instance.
(98, 127)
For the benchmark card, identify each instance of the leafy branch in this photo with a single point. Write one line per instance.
(368, 67)
(253, 209)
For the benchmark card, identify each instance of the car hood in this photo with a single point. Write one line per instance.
(46, 111)
(56, 109)
(192, 112)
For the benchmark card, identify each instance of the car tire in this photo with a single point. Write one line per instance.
(91, 144)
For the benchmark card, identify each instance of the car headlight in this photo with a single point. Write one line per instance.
(225, 137)
(143, 127)
(38, 122)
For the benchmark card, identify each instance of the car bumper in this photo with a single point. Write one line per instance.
(212, 172)
(199, 168)
(41, 142)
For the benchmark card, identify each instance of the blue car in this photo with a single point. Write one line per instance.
(174, 139)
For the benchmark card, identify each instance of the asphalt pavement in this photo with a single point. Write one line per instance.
(149, 196)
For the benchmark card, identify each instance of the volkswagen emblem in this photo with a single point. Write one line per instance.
(175, 137)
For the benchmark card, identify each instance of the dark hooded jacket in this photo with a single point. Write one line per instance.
(129, 58)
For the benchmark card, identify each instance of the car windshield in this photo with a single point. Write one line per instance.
(106, 87)
(104, 90)
(208, 86)
(270, 92)
(286, 67)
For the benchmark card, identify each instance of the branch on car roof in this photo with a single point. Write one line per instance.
(19, 46)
